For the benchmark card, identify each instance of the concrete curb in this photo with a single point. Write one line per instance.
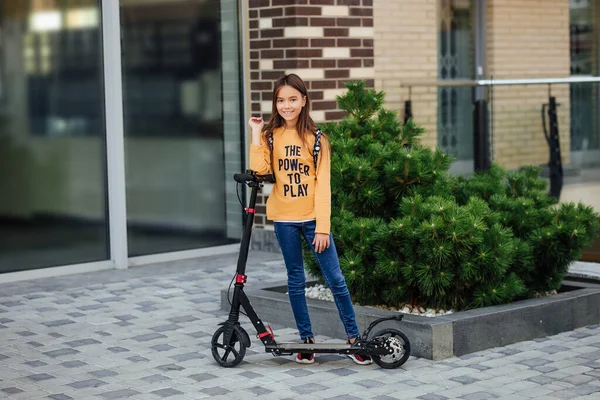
(451, 335)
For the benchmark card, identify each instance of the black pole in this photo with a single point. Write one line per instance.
(407, 110)
(481, 141)
(555, 162)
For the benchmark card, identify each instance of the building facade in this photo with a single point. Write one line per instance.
(122, 122)
(429, 52)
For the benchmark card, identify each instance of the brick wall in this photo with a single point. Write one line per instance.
(406, 50)
(326, 42)
(526, 39)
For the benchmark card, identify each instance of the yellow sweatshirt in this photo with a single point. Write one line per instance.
(300, 193)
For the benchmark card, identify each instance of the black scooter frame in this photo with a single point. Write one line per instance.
(265, 333)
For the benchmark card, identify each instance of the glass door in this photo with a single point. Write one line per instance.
(456, 61)
(584, 49)
(182, 104)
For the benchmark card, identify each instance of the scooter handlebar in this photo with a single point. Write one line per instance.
(244, 178)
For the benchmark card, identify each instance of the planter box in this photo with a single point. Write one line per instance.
(456, 334)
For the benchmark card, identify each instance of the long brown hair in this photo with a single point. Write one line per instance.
(305, 123)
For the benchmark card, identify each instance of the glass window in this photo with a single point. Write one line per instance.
(456, 61)
(182, 103)
(584, 35)
(52, 136)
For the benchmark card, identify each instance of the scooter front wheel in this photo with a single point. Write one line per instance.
(398, 344)
(228, 354)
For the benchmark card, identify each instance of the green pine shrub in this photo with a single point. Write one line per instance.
(409, 233)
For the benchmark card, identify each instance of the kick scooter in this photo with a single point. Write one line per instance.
(389, 348)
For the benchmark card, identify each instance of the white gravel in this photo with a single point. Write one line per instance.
(322, 293)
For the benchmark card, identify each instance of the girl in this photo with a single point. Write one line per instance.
(300, 202)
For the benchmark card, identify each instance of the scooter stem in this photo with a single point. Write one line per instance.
(245, 244)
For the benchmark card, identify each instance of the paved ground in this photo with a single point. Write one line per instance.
(144, 333)
(584, 270)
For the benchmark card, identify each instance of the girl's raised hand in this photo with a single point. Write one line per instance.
(256, 123)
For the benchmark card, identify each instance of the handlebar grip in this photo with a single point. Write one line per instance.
(243, 178)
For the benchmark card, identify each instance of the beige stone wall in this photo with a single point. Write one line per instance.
(406, 50)
(527, 39)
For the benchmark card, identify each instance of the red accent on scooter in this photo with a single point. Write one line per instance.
(241, 278)
(250, 210)
(267, 333)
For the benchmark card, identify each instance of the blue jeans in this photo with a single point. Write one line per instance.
(289, 236)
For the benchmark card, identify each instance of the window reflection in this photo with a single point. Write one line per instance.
(52, 168)
(172, 64)
(61, 55)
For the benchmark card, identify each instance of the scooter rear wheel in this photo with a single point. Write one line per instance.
(399, 344)
(229, 354)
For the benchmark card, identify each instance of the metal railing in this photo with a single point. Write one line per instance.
(483, 135)
(502, 82)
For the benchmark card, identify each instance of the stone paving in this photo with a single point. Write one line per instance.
(144, 333)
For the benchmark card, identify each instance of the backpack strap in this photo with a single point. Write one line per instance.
(270, 142)
(317, 147)
(270, 139)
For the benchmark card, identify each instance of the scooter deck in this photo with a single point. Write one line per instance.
(313, 347)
